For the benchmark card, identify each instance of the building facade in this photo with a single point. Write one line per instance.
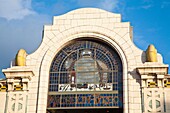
(87, 62)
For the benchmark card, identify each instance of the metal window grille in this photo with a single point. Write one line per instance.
(86, 74)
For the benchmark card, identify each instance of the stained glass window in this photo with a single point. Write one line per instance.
(86, 74)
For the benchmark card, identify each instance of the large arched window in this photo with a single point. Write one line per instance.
(86, 73)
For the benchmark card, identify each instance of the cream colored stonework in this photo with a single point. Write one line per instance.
(97, 24)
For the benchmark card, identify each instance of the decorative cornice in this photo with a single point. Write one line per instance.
(18, 71)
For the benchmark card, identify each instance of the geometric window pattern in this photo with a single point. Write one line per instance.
(83, 100)
(90, 67)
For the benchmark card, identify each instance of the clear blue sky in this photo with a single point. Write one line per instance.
(21, 22)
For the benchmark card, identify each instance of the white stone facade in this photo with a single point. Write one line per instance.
(93, 24)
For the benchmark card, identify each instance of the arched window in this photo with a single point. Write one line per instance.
(86, 73)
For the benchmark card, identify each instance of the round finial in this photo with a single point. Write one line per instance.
(20, 59)
(151, 54)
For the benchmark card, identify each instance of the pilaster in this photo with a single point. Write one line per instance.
(17, 79)
(153, 77)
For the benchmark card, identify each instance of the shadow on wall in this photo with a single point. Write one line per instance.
(91, 110)
(136, 83)
(143, 57)
(167, 104)
(135, 76)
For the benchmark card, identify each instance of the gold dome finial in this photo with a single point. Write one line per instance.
(151, 54)
(20, 59)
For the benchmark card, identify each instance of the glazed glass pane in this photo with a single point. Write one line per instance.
(90, 67)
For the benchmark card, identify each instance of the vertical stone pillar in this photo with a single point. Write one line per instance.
(3, 94)
(17, 79)
(152, 79)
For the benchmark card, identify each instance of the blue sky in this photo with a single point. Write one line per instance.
(21, 22)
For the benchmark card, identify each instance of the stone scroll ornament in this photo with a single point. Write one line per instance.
(16, 103)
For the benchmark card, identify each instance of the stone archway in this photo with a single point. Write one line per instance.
(56, 38)
(47, 63)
